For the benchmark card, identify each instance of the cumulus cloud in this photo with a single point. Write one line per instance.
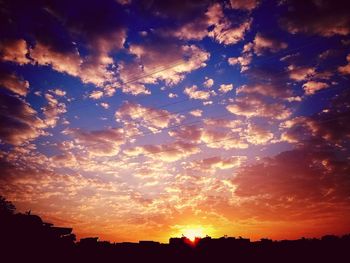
(13, 83)
(255, 106)
(91, 69)
(189, 132)
(216, 163)
(53, 110)
(172, 95)
(62, 62)
(314, 174)
(256, 134)
(311, 87)
(224, 123)
(151, 118)
(224, 88)
(300, 73)
(14, 51)
(208, 83)
(282, 186)
(212, 137)
(59, 92)
(104, 105)
(332, 125)
(96, 94)
(245, 59)
(266, 89)
(169, 152)
(345, 70)
(263, 43)
(193, 93)
(135, 89)
(222, 30)
(19, 121)
(99, 142)
(244, 4)
(55, 31)
(229, 36)
(223, 140)
(196, 113)
(152, 61)
(260, 45)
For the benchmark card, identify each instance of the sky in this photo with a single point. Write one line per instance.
(139, 120)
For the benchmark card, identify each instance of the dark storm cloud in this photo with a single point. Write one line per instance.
(332, 126)
(31, 20)
(302, 184)
(310, 181)
(324, 18)
(178, 11)
(11, 81)
(71, 37)
(314, 174)
(19, 122)
(53, 22)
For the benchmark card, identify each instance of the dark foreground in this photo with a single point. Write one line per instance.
(26, 238)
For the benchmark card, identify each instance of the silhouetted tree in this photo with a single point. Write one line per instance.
(6, 207)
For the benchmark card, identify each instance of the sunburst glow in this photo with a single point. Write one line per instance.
(192, 233)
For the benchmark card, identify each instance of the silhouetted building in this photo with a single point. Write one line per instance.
(26, 238)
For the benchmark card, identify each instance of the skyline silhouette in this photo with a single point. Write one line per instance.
(27, 237)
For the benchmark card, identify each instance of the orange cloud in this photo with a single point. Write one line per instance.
(211, 137)
(269, 90)
(263, 43)
(151, 118)
(208, 83)
(255, 106)
(169, 152)
(14, 83)
(217, 162)
(96, 94)
(193, 93)
(53, 110)
(256, 134)
(20, 122)
(155, 59)
(224, 88)
(100, 142)
(244, 4)
(244, 61)
(300, 73)
(311, 87)
(345, 70)
(196, 113)
(61, 62)
(329, 18)
(14, 51)
(222, 29)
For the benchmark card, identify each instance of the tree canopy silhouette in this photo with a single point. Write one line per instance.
(6, 207)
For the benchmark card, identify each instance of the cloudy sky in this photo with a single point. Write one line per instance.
(132, 120)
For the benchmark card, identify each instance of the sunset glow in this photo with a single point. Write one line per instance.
(139, 120)
(192, 232)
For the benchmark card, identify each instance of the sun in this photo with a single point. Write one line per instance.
(192, 233)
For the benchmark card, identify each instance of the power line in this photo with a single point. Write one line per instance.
(182, 61)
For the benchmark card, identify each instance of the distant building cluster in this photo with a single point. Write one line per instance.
(26, 238)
